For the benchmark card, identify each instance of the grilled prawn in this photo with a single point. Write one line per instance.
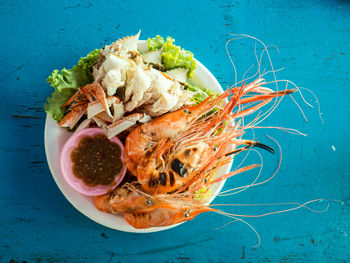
(142, 210)
(168, 152)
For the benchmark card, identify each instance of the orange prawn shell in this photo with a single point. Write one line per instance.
(164, 216)
(168, 125)
(139, 140)
(123, 200)
(164, 180)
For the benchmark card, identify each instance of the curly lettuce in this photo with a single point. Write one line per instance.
(155, 43)
(67, 81)
(55, 101)
(176, 57)
(199, 93)
(172, 56)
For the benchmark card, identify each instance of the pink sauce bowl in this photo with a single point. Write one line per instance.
(67, 164)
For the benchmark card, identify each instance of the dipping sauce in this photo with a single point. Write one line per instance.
(96, 160)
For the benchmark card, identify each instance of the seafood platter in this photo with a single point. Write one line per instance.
(140, 136)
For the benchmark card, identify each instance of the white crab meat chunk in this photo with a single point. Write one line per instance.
(98, 74)
(118, 127)
(166, 102)
(165, 93)
(160, 84)
(113, 80)
(72, 118)
(142, 46)
(184, 99)
(99, 122)
(115, 61)
(145, 118)
(151, 90)
(180, 74)
(115, 73)
(125, 123)
(153, 57)
(104, 116)
(134, 92)
(129, 43)
(118, 111)
(124, 45)
(96, 107)
(84, 124)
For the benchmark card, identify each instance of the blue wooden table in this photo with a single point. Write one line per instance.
(37, 224)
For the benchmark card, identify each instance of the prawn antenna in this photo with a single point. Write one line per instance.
(250, 145)
(284, 92)
(264, 146)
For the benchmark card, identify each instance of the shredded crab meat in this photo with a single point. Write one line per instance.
(144, 85)
(139, 84)
(179, 74)
(153, 57)
(137, 81)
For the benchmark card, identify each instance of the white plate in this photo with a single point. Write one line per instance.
(55, 137)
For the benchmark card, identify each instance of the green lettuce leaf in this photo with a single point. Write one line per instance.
(176, 57)
(55, 101)
(203, 194)
(200, 93)
(67, 81)
(155, 43)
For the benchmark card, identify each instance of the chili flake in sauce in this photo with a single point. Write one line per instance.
(96, 160)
